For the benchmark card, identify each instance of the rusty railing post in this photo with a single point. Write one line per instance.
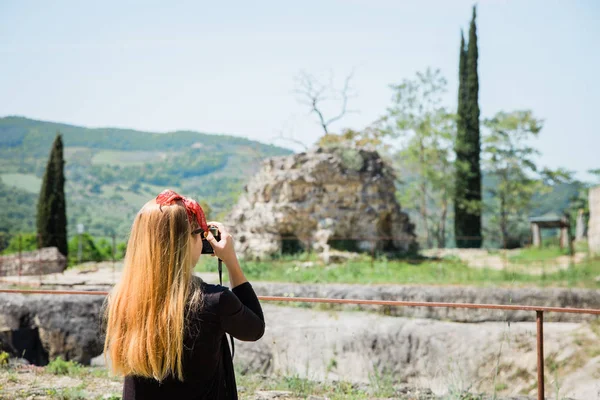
(540, 353)
(40, 263)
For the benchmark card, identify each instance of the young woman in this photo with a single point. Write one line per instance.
(165, 328)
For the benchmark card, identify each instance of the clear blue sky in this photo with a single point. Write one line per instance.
(229, 67)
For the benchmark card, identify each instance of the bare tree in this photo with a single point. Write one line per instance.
(286, 134)
(314, 94)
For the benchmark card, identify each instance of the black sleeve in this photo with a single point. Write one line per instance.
(241, 314)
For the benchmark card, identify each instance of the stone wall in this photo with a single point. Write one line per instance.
(40, 328)
(321, 199)
(594, 223)
(44, 261)
(542, 297)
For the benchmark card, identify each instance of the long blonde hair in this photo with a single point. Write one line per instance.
(146, 311)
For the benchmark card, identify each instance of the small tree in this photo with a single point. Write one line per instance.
(316, 94)
(596, 173)
(21, 242)
(510, 162)
(427, 131)
(90, 251)
(51, 208)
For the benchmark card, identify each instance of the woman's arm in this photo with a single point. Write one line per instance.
(241, 314)
(224, 249)
(239, 309)
(236, 275)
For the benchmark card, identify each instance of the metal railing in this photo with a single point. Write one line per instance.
(513, 307)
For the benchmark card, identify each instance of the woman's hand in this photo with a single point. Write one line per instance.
(223, 248)
(225, 251)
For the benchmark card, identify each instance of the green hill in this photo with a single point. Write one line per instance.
(112, 172)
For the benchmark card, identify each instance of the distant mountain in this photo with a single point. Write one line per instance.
(112, 172)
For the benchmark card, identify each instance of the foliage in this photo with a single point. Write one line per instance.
(105, 192)
(301, 387)
(51, 209)
(17, 212)
(4, 356)
(58, 366)
(576, 196)
(510, 160)
(427, 129)
(89, 250)
(467, 199)
(94, 249)
(22, 242)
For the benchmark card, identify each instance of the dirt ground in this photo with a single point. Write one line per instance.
(36, 383)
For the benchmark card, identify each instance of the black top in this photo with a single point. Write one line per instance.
(207, 365)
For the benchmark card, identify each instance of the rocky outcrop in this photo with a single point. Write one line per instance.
(44, 261)
(447, 357)
(40, 328)
(340, 198)
(547, 297)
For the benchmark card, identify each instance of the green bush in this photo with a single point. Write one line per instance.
(4, 356)
(89, 250)
(28, 242)
(94, 249)
(58, 366)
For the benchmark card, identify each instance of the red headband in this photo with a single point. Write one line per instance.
(168, 197)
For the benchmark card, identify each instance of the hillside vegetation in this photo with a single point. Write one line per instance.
(112, 172)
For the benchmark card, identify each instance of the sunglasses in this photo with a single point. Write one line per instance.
(198, 231)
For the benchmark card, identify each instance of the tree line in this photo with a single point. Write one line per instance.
(51, 220)
(465, 179)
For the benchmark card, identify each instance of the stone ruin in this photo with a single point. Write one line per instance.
(39, 262)
(321, 200)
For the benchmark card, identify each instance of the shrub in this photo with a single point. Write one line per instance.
(58, 366)
(4, 356)
(28, 241)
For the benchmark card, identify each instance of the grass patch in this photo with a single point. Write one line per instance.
(520, 373)
(58, 366)
(75, 393)
(534, 255)
(429, 271)
(305, 388)
(581, 246)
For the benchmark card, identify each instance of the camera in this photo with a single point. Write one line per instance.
(206, 247)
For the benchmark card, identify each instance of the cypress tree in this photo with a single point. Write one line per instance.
(467, 201)
(51, 208)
